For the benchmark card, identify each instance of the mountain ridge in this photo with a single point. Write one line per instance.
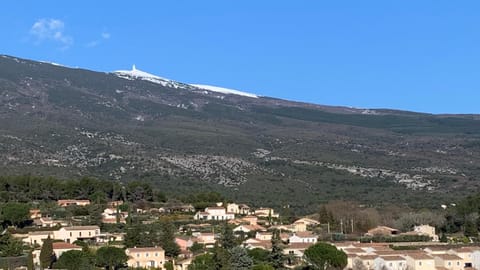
(71, 122)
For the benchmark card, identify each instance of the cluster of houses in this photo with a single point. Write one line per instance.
(256, 228)
(379, 256)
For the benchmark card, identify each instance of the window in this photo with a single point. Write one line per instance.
(152, 263)
(458, 263)
(419, 263)
(80, 234)
(146, 254)
(449, 263)
(138, 255)
(390, 264)
(156, 254)
(70, 234)
(89, 233)
(138, 263)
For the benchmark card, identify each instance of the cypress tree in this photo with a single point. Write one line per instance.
(47, 257)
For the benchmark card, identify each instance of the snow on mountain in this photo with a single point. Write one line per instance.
(142, 75)
(224, 90)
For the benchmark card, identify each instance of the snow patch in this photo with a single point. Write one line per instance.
(224, 90)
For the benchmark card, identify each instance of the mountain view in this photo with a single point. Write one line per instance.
(130, 125)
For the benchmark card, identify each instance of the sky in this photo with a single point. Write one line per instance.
(412, 55)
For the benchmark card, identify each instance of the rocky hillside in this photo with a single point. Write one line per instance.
(127, 125)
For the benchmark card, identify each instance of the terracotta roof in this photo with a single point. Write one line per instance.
(299, 246)
(466, 249)
(393, 258)
(64, 245)
(261, 244)
(41, 233)
(448, 257)
(215, 208)
(437, 248)
(420, 256)
(305, 234)
(80, 228)
(388, 252)
(367, 257)
(354, 250)
(144, 249)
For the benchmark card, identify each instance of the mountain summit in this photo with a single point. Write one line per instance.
(130, 125)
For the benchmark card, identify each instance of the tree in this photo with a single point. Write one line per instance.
(47, 257)
(324, 256)
(202, 262)
(221, 258)
(358, 265)
(239, 259)
(443, 238)
(167, 239)
(75, 260)
(168, 266)
(277, 258)
(263, 266)
(227, 240)
(196, 248)
(10, 246)
(471, 229)
(259, 255)
(111, 257)
(15, 213)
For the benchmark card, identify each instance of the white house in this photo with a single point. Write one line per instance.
(393, 262)
(303, 237)
(74, 233)
(214, 213)
(426, 230)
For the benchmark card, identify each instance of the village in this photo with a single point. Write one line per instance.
(253, 229)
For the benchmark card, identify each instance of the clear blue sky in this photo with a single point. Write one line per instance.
(414, 55)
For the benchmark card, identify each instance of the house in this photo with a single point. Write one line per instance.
(185, 242)
(266, 212)
(37, 237)
(255, 243)
(296, 249)
(46, 222)
(382, 231)
(426, 230)
(465, 253)
(146, 257)
(61, 247)
(433, 250)
(308, 221)
(303, 237)
(239, 209)
(64, 203)
(207, 239)
(264, 236)
(393, 262)
(113, 216)
(35, 213)
(74, 233)
(449, 261)
(248, 228)
(367, 260)
(420, 261)
(214, 213)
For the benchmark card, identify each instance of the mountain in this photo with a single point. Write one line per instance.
(126, 125)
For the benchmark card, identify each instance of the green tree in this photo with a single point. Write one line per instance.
(15, 213)
(263, 266)
(259, 255)
(239, 259)
(227, 239)
(202, 262)
(322, 256)
(168, 266)
(111, 257)
(196, 248)
(277, 258)
(221, 258)
(75, 260)
(167, 239)
(10, 246)
(471, 229)
(47, 257)
(443, 238)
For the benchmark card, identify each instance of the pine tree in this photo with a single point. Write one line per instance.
(227, 240)
(239, 259)
(47, 257)
(277, 257)
(167, 240)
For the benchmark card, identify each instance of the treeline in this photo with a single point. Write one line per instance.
(28, 188)
(464, 217)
